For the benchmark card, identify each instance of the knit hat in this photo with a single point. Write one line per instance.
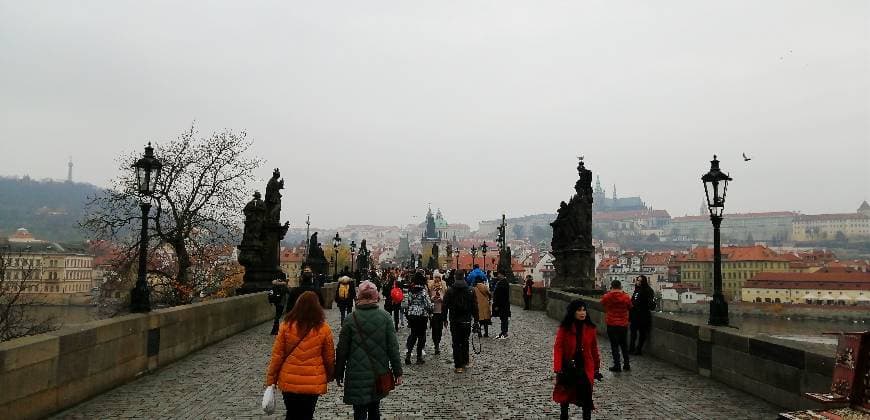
(367, 292)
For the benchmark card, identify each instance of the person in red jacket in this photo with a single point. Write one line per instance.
(616, 306)
(575, 360)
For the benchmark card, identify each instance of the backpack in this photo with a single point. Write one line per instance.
(343, 291)
(397, 295)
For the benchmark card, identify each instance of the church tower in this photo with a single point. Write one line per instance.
(598, 195)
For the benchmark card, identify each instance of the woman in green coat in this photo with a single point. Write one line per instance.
(358, 362)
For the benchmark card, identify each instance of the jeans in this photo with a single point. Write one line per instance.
(396, 311)
(459, 334)
(418, 334)
(300, 406)
(437, 328)
(370, 411)
(617, 336)
(279, 310)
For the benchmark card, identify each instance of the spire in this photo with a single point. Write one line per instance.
(598, 184)
(69, 170)
(704, 210)
(614, 192)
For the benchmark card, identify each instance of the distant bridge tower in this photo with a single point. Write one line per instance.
(69, 170)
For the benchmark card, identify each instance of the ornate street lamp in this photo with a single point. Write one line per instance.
(352, 252)
(473, 255)
(483, 248)
(716, 204)
(147, 174)
(336, 242)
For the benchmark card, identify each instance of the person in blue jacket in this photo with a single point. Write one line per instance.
(476, 276)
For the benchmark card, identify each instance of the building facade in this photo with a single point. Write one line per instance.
(740, 227)
(739, 264)
(813, 227)
(46, 267)
(820, 288)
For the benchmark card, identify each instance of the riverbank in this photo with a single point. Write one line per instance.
(794, 311)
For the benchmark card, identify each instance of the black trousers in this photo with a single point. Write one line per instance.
(370, 411)
(344, 311)
(527, 301)
(459, 334)
(504, 321)
(437, 323)
(563, 415)
(300, 406)
(279, 310)
(640, 325)
(618, 342)
(418, 334)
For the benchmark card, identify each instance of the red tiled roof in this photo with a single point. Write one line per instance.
(657, 258)
(732, 253)
(817, 280)
(606, 263)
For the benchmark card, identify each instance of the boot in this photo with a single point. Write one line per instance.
(626, 367)
(420, 360)
(437, 349)
(408, 357)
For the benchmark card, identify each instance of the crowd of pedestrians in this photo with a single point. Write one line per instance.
(367, 362)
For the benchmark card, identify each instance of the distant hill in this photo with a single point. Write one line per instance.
(50, 210)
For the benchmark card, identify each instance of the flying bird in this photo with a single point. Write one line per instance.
(746, 158)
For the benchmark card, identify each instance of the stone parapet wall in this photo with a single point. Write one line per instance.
(774, 372)
(539, 297)
(43, 374)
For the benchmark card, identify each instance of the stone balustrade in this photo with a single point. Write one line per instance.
(43, 374)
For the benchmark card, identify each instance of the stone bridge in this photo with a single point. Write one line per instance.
(511, 378)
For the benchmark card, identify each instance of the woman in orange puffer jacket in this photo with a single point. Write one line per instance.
(303, 357)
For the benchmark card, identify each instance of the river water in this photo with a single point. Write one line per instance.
(798, 331)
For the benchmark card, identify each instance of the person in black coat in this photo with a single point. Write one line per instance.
(460, 308)
(640, 316)
(501, 304)
(306, 284)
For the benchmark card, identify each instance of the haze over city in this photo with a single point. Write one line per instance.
(374, 110)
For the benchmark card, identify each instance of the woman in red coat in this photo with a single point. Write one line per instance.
(575, 360)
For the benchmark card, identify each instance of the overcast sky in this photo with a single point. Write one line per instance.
(373, 109)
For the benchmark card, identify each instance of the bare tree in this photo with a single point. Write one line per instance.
(196, 210)
(18, 272)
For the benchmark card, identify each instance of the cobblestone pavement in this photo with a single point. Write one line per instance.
(511, 379)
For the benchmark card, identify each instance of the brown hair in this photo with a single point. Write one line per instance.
(306, 313)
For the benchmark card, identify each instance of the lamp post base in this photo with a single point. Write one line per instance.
(718, 311)
(140, 300)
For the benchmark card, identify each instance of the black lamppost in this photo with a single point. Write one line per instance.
(352, 252)
(147, 173)
(457, 258)
(483, 248)
(716, 205)
(336, 242)
(473, 255)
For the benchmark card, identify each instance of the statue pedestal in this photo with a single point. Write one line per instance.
(575, 269)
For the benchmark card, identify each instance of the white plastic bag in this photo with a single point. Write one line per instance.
(269, 399)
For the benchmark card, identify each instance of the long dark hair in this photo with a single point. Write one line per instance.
(306, 313)
(569, 319)
(644, 282)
